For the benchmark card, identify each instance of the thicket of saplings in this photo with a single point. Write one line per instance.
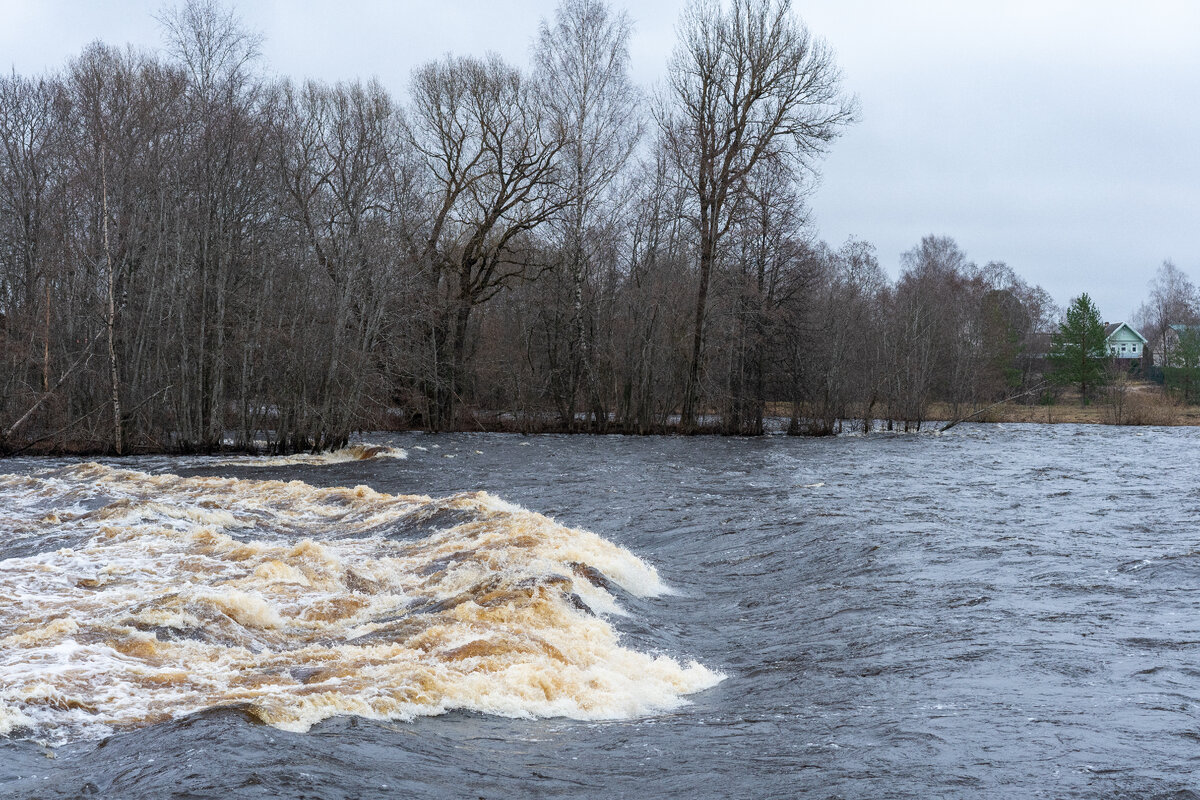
(197, 255)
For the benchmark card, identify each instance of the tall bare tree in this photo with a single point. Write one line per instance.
(582, 62)
(225, 183)
(746, 83)
(491, 154)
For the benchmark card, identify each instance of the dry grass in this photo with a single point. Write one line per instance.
(1129, 404)
(1093, 414)
(1137, 403)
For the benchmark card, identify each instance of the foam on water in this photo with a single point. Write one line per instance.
(11, 719)
(303, 603)
(355, 452)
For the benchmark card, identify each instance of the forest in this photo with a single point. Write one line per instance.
(199, 255)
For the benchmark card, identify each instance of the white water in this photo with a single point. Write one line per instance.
(303, 603)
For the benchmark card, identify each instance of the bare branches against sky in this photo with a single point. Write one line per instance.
(1056, 136)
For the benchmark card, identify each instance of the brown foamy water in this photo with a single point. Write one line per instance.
(303, 603)
(354, 452)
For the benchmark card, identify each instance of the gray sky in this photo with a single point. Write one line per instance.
(1060, 136)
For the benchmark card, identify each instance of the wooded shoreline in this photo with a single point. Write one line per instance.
(194, 251)
(941, 415)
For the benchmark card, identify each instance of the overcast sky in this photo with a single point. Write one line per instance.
(1060, 137)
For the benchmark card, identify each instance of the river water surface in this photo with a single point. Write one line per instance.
(1000, 611)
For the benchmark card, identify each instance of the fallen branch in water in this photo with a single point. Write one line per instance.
(974, 414)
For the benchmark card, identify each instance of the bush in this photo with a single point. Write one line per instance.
(1130, 404)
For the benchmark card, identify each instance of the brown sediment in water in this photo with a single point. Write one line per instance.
(354, 452)
(304, 603)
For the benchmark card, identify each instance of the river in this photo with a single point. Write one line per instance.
(997, 611)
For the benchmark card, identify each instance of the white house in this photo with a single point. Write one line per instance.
(1123, 341)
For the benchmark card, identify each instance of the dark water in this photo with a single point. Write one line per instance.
(997, 612)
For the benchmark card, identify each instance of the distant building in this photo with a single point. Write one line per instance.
(1122, 341)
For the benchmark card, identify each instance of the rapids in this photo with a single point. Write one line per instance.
(1000, 611)
(303, 603)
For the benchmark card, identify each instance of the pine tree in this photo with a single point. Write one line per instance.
(1077, 354)
(1183, 365)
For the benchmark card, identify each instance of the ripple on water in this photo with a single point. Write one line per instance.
(990, 613)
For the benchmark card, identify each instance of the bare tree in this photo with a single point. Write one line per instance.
(30, 154)
(1174, 300)
(650, 313)
(336, 148)
(491, 156)
(225, 186)
(844, 354)
(213, 44)
(766, 246)
(582, 65)
(746, 83)
(103, 80)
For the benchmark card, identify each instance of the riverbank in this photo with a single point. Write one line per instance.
(1141, 404)
(1094, 414)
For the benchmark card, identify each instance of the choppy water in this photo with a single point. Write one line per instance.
(999, 611)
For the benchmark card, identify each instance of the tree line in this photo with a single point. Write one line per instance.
(198, 255)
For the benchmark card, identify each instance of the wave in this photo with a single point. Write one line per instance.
(355, 452)
(303, 603)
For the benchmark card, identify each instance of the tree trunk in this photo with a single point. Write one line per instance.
(111, 321)
(691, 393)
(46, 343)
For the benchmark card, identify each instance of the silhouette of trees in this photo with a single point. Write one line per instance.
(196, 255)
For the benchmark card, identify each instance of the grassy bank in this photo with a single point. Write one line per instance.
(1132, 404)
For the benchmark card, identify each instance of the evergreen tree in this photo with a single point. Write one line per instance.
(1183, 370)
(1077, 350)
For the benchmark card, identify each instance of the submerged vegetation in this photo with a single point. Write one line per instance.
(197, 255)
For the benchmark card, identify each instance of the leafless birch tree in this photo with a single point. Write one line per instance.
(582, 62)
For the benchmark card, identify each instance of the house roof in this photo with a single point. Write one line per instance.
(1181, 328)
(1111, 328)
